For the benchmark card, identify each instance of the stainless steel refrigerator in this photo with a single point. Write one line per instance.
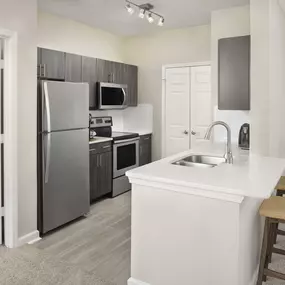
(63, 153)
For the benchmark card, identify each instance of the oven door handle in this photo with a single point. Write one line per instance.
(125, 141)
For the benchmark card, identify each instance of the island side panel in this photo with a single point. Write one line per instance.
(251, 232)
(183, 239)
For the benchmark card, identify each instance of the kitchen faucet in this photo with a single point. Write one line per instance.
(228, 155)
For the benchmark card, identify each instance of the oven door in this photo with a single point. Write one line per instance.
(126, 156)
(112, 96)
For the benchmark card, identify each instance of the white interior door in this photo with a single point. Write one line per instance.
(201, 103)
(1, 129)
(177, 113)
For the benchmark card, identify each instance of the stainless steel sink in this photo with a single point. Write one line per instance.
(201, 161)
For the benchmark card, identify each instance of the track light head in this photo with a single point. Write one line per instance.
(142, 13)
(130, 9)
(161, 22)
(150, 18)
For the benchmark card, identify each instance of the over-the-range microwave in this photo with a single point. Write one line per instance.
(112, 96)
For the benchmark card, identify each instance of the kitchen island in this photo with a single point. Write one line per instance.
(196, 225)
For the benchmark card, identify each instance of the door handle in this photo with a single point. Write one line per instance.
(193, 133)
(47, 158)
(186, 132)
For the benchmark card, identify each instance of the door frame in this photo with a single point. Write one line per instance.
(10, 176)
(163, 111)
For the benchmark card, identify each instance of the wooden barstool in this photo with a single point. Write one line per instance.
(280, 191)
(273, 209)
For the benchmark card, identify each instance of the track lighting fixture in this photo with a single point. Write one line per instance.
(129, 8)
(142, 13)
(160, 22)
(145, 9)
(150, 18)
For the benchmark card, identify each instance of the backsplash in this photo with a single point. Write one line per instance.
(235, 119)
(132, 119)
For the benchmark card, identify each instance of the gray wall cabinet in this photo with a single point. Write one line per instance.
(51, 64)
(56, 65)
(132, 82)
(234, 73)
(100, 170)
(145, 150)
(73, 67)
(89, 75)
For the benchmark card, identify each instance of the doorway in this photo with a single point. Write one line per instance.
(186, 107)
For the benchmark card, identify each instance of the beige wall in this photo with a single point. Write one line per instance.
(21, 17)
(151, 52)
(66, 35)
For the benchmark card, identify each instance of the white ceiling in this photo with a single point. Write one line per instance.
(111, 15)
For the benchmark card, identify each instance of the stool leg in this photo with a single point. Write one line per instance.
(273, 237)
(264, 251)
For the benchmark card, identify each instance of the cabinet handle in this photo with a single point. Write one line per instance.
(98, 161)
(109, 78)
(146, 139)
(101, 160)
(140, 150)
(113, 77)
(106, 146)
(91, 150)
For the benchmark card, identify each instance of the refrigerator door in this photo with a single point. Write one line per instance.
(65, 195)
(64, 106)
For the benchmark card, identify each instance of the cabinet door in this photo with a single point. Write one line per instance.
(145, 150)
(89, 75)
(119, 70)
(105, 177)
(104, 70)
(94, 176)
(52, 63)
(132, 82)
(73, 68)
(234, 73)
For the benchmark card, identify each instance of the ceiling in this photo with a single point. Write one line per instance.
(111, 15)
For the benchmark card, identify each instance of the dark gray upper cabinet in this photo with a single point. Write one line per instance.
(132, 81)
(73, 68)
(89, 75)
(104, 70)
(145, 150)
(234, 73)
(51, 64)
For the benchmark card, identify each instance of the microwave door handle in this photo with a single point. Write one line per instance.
(125, 97)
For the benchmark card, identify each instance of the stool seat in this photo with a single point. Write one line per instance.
(274, 208)
(281, 184)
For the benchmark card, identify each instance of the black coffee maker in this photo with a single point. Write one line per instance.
(243, 141)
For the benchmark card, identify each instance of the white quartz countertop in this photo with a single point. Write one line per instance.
(249, 176)
(99, 140)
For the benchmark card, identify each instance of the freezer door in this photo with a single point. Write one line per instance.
(66, 191)
(65, 105)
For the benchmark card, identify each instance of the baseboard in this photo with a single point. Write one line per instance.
(133, 281)
(29, 238)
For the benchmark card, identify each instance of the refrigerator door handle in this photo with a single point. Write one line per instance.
(47, 106)
(47, 160)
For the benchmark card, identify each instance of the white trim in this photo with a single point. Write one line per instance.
(187, 190)
(163, 114)
(10, 138)
(29, 238)
(133, 281)
(1, 63)
(2, 212)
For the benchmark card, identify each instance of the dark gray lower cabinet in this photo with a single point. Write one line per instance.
(145, 150)
(100, 170)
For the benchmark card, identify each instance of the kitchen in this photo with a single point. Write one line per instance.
(80, 53)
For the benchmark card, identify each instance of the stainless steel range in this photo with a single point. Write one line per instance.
(125, 151)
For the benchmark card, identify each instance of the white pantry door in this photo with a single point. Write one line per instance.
(1, 132)
(201, 103)
(177, 110)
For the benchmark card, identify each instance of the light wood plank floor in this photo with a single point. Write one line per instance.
(99, 243)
